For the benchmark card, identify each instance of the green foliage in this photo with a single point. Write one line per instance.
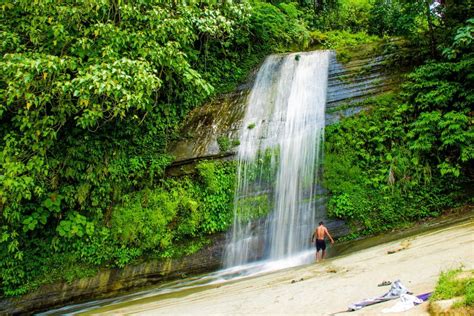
(41, 266)
(395, 17)
(379, 176)
(169, 220)
(225, 143)
(241, 35)
(342, 39)
(463, 41)
(349, 15)
(217, 195)
(469, 299)
(440, 99)
(75, 225)
(406, 157)
(148, 219)
(278, 27)
(455, 283)
(345, 44)
(90, 95)
(253, 207)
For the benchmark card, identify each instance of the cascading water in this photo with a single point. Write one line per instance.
(278, 158)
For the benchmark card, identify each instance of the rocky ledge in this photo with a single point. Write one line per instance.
(112, 282)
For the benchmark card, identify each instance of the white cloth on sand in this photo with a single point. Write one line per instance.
(395, 291)
(406, 302)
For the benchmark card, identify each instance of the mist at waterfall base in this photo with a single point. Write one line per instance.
(278, 162)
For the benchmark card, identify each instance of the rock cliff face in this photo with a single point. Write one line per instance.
(221, 118)
(354, 82)
(364, 76)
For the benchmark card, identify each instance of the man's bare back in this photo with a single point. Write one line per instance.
(320, 232)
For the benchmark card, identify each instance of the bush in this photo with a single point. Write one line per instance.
(379, 179)
(278, 28)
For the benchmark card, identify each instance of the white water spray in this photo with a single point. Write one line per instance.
(278, 159)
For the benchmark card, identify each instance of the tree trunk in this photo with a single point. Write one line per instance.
(115, 11)
(430, 29)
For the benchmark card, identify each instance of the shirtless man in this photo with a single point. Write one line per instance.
(320, 232)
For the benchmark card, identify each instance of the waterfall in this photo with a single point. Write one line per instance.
(278, 159)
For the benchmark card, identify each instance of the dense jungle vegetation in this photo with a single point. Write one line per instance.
(93, 91)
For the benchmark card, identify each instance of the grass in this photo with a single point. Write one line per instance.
(456, 283)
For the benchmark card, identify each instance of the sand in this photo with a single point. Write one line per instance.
(328, 287)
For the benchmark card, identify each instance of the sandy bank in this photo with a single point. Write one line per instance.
(329, 287)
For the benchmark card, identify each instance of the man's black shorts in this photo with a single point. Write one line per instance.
(320, 244)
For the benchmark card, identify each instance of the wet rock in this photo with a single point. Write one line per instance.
(201, 130)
